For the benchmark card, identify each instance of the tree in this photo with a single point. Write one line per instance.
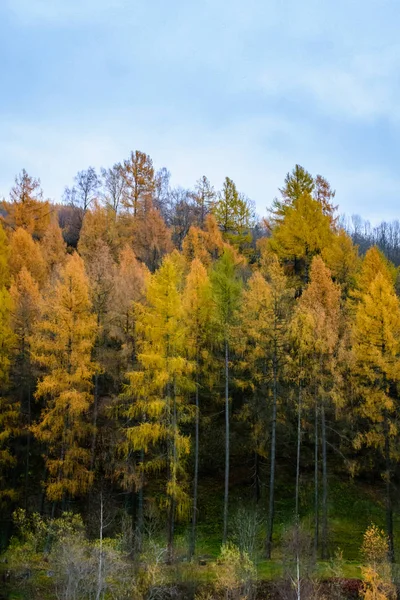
(376, 348)
(25, 252)
(53, 249)
(85, 190)
(303, 232)
(263, 333)
(62, 345)
(27, 208)
(226, 290)
(9, 409)
(114, 185)
(197, 316)
(233, 214)
(321, 303)
(26, 309)
(297, 183)
(160, 388)
(376, 571)
(204, 196)
(138, 174)
(98, 225)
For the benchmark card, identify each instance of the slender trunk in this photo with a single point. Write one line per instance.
(171, 517)
(95, 412)
(28, 449)
(226, 497)
(100, 566)
(324, 488)
(316, 483)
(389, 508)
(140, 511)
(257, 477)
(270, 522)
(298, 457)
(196, 468)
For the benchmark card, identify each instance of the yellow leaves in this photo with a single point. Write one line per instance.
(25, 252)
(305, 230)
(62, 344)
(376, 571)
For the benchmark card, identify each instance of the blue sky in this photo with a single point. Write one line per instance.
(216, 87)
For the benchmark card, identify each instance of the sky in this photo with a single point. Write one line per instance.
(244, 89)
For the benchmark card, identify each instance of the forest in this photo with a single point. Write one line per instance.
(194, 399)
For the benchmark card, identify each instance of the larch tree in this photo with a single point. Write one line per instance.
(205, 197)
(226, 290)
(25, 252)
(376, 348)
(26, 309)
(27, 209)
(62, 345)
(197, 318)
(321, 303)
(9, 408)
(263, 331)
(233, 214)
(53, 249)
(159, 390)
(303, 233)
(138, 174)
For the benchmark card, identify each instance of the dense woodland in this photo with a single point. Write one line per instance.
(162, 347)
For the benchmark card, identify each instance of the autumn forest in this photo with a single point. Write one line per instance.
(181, 380)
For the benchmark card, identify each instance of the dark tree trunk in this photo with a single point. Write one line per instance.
(192, 547)
(226, 496)
(297, 501)
(324, 540)
(316, 483)
(270, 522)
(389, 508)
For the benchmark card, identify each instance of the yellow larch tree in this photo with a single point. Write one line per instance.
(320, 303)
(62, 344)
(26, 208)
(197, 319)
(25, 252)
(159, 390)
(376, 369)
(263, 343)
(26, 310)
(9, 408)
(53, 249)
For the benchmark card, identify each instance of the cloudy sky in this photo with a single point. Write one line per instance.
(244, 88)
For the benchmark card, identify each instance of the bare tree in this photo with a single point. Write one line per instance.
(85, 189)
(114, 187)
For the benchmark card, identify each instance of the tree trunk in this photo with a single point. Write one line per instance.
(140, 510)
(324, 488)
(192, 547)
(95, 411)
(316, 499)
(297, 502)
(270, 522)
(171, 516)
(226, 497)
(100, 565)
(389, 508)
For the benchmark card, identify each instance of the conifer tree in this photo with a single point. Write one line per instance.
(233, 215)
(9, 409)
(226, 290)
(197, 306)
(53, 249)
(321, 303)
(303, 233)
(62, 344)
(376, 348)
(25, 252)
(27, 209)
(26, 308)
(138, 174)
(160, 388)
